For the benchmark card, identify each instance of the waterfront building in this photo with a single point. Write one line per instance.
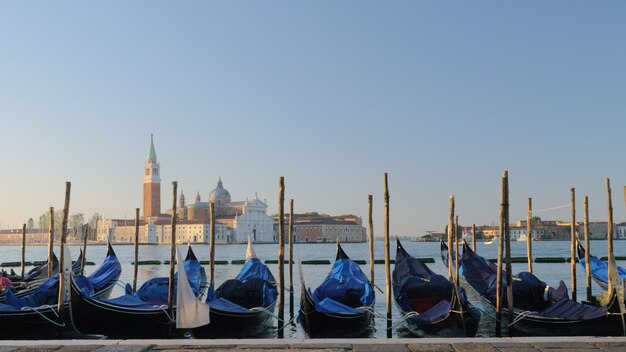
(325, 228)
(235, 221)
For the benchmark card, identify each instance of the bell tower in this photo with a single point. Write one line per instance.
(151, 184)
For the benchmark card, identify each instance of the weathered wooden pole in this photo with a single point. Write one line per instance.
(450, 234)
(23, 249)
(291, 309)
(529, 235)
(474, 238)
(456, 251)
(281, 256)
(500, 255)
(573, 242)
(62, 259)
(609, 232)
(212, 245)
(136, 264)
(170, 296)
(84, 257)
(370, 225)
(509, 272)
(387, 261)
(51, 242)
(587, 249)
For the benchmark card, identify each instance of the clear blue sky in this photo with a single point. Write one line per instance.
(442, 95)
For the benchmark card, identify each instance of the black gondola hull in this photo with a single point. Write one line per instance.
(533, 325)
(449, 326)
(228, 324)
(28, 324)
(320, 325)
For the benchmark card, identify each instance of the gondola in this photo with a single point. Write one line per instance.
(23, 286)
(342, 306)
(599, 268)
(539, 308)
(429, 301)
(243, 306)
(140, 314)
(36, 315)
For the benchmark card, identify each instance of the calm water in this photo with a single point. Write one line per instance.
(314, 274)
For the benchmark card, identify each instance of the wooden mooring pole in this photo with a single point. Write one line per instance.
(170, 296)
(281, 257)
(609, 232)
(84, 257)
(474, 238)
(499, 262)
(62, 259)
(370, 225)
(587, 249)
(529, 235)
(573, 242)
(290, 244)
(456, 251)
(450, 234)
(507, 239)
(387, 261)
(51, 243)
(23, 249)
(212, 245)
(136, 264)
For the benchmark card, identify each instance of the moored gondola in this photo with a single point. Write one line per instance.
(599, 269)
(242, 307)
(141, 314)
(36, 315)
(539, 308)
(429, 302)
(342, 306)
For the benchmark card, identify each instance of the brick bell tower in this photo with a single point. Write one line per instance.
(151, 185)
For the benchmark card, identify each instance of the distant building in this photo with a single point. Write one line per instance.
(235, 221)
(323, 228)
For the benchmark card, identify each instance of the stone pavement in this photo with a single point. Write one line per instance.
(516, 344)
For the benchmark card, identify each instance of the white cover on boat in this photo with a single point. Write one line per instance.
(190, 312)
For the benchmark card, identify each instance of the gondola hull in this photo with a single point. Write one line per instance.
(320, 325)
(30, 324)
(450, 325)
(533, 325)
(97, 317)
(228, 324)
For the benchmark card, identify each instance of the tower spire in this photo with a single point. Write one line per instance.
(152, 154)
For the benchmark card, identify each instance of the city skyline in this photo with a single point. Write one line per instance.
(443, 97)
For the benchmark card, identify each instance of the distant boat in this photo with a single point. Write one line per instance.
(522, 238)
(492, 241)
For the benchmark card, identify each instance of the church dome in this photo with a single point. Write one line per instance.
(219, 195)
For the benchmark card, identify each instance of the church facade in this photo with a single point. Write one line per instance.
(235, 221)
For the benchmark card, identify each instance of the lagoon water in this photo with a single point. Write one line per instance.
(314, 274)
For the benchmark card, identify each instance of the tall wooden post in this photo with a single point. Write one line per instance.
(450, 232)
(212, 245)
(136, 264)
(573, 242)
(51, 242)
(609, 232)
(500, 255)
(62, 259)
(281, 256)
(84, 257)
(370, 225)
(291, 309)
(507, 238)
(474, 238)
(587, 249)
(529, 235)
(23, 249)
(456, 251)
(387, 261)
(170, 296)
